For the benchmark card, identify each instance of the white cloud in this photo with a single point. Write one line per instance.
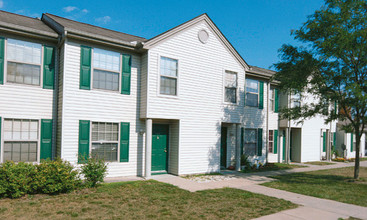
(1, 3)
(103, 20)
(69, 9)
(85, 10)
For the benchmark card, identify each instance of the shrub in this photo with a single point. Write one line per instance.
(94, 171)
(56, 176)
(16, 179)
(245, 161)
(49, 177)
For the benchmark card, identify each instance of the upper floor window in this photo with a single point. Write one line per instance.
(168, 76)
(20, 140)
(23, 62)
(296, 100)
(272, 99)
(252, 92)
(106, 69)
(230, 87)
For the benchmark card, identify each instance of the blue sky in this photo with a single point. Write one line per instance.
(256, 28)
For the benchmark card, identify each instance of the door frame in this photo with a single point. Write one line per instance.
(167, 147)
(226, 146)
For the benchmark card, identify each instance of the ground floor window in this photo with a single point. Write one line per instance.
(105, 141)
(21, 140)
(250, 141)
(271, 141)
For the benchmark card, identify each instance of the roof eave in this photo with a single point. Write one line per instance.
(26, 31)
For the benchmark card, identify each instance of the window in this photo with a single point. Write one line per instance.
(296, 100)
(250, 142)
(271, 141)
(354, 142)
(272, 99)
(230, 87)
(106, 69)
(20, 140)
(105, 140)
(168, 76)
(23, 62)
(252, 92)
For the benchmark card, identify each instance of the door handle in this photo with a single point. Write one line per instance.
(165, 150)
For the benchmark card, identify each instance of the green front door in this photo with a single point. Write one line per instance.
(160, 148)
(223, 147)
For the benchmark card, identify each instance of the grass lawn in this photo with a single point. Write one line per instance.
(143, 200)
(334, 184)
(274, 167)
(320, 163)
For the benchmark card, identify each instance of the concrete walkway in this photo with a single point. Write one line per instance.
(311, 207)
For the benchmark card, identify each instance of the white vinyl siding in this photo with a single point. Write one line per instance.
(252, 93)
(24, 62)
(20, 140)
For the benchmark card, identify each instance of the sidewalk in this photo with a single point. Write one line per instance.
(311, 207)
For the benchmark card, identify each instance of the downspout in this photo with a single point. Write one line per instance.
(267, 122)
(288, 145)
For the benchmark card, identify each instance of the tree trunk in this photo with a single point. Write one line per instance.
(356, 165)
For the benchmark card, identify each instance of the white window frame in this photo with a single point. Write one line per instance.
(159, 77)
(246, 142)
(224, 87)
(92, 71)
(6, 63)
(293, 100)
(258, 93)
(118, 139)
(2, 122)
(272, 99)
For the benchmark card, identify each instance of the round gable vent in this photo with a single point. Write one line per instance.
(203, 36)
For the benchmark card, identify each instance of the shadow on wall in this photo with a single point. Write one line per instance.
(249, 117)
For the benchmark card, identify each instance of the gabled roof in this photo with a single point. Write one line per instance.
(204, 17)
(24, 25)
(86, 30)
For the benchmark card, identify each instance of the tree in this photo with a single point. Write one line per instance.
(331, 65)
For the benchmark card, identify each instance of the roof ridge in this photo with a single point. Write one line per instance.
(93, 25)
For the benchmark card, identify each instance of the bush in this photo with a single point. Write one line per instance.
(56, 176)
(94, 171)
(49, 177)
(16, 179)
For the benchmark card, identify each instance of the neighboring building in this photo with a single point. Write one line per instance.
(182, 102)
(345, 143)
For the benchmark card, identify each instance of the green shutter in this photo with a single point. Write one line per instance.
(324, 142)
(85, 67)
(275, 141)
(2, 56)
(259, 141)
(124, 141)
(48, 67)
(334, 139)
(261, 98)
(46, 139)
(276, 100)
(126, 74)
(242, 144)
(83, 152)
(351, 142)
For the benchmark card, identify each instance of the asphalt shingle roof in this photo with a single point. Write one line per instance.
(24, 23)
(70, 25)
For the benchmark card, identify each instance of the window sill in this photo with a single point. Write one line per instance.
(21, 85)
(168, 96)
(230, 103)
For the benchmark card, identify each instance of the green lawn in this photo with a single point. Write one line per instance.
(320, 163)
(143, 200)
(274, 167)
(334, 184)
